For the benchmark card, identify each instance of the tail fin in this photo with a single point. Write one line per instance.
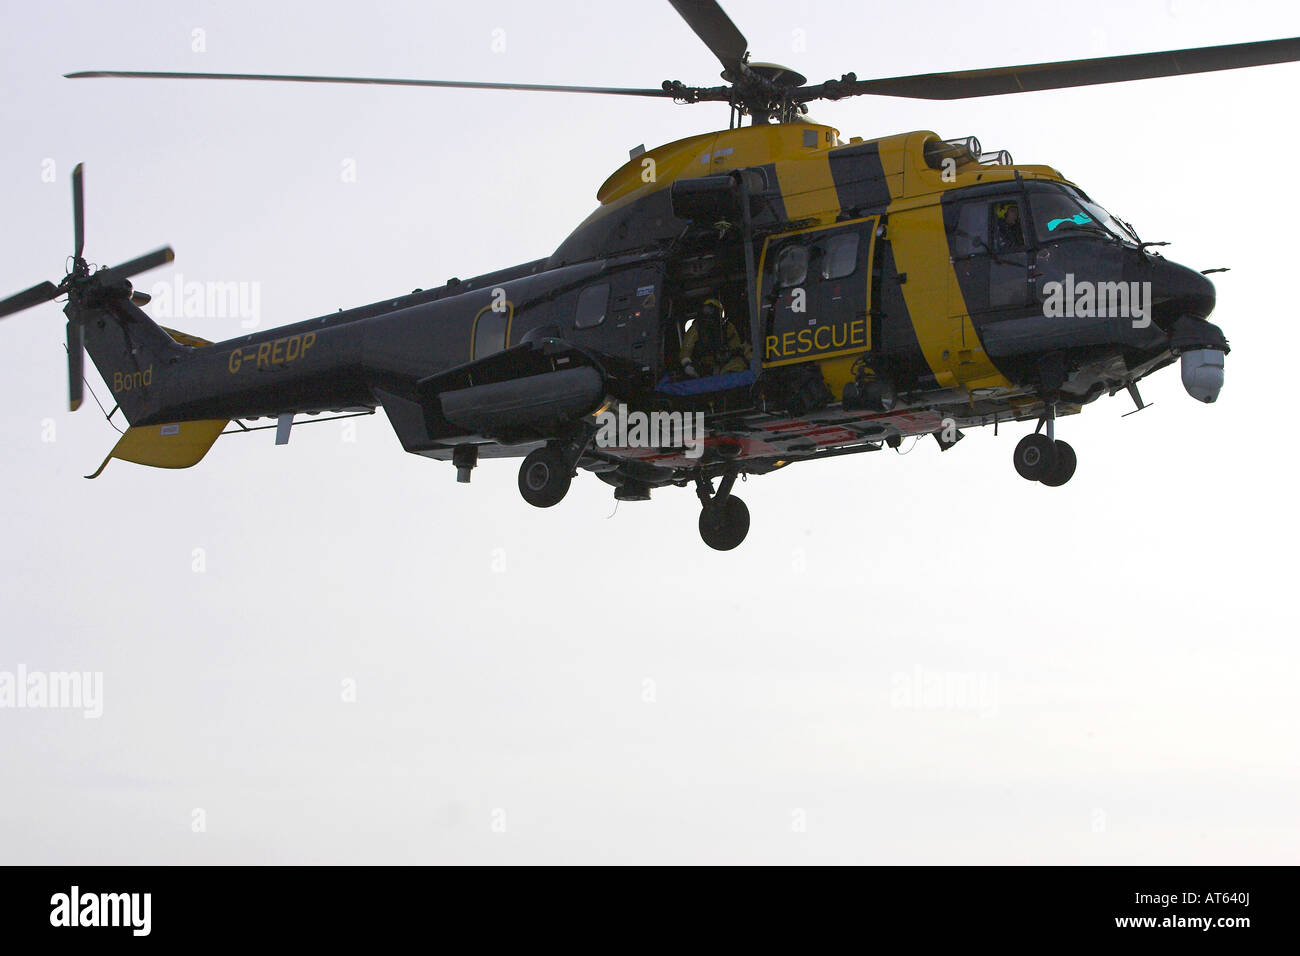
(131, 352)
(129, 349)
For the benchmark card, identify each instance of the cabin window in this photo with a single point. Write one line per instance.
(792, 267)
(592, 303)
(841, 256)
(490, 332)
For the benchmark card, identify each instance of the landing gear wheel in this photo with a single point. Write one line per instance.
(1063, 470)
(544, 477)
(724, 522)
(1035, 457)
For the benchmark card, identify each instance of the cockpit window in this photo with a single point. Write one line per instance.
(985, 226)
(971, 234)
(1062, 212)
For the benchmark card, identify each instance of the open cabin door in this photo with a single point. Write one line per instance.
(815, 292)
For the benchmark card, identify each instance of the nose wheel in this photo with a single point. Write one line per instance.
(1035, 457)
(1062, 469)
(1044, 458)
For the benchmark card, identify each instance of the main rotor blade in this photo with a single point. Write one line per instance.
(76, 364)
(967, 84)
(150, 260)
(78, 213)
(368, 81)
(28, 298)
(712, 25)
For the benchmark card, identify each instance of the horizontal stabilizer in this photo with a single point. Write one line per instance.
(184, 338)
(178, 445)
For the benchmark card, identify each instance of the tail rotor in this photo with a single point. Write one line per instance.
(85, 289)
(37, 294)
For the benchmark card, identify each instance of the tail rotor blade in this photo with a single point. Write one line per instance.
(76, 363)
(28, 298)
(150, 260)
(78, 213)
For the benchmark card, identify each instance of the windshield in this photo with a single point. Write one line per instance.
(1064, 212)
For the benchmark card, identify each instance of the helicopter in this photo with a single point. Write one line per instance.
(864, 291)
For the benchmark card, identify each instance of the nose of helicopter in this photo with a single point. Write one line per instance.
(1182, 298)
(1178, 291)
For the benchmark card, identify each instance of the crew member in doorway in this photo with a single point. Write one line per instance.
(712, 346)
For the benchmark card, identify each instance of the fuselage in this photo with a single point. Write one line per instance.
(921, 295)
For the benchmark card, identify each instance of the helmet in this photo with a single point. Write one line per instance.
(719, 311)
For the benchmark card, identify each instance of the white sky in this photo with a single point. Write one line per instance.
(1131, 634)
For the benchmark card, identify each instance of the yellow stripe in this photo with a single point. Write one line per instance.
(808, 188)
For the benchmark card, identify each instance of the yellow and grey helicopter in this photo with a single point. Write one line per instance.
(862, 291)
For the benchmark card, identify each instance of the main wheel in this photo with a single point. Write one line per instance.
(1063, 469)
(1035, 457)
(724, 522)
(544, 478)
